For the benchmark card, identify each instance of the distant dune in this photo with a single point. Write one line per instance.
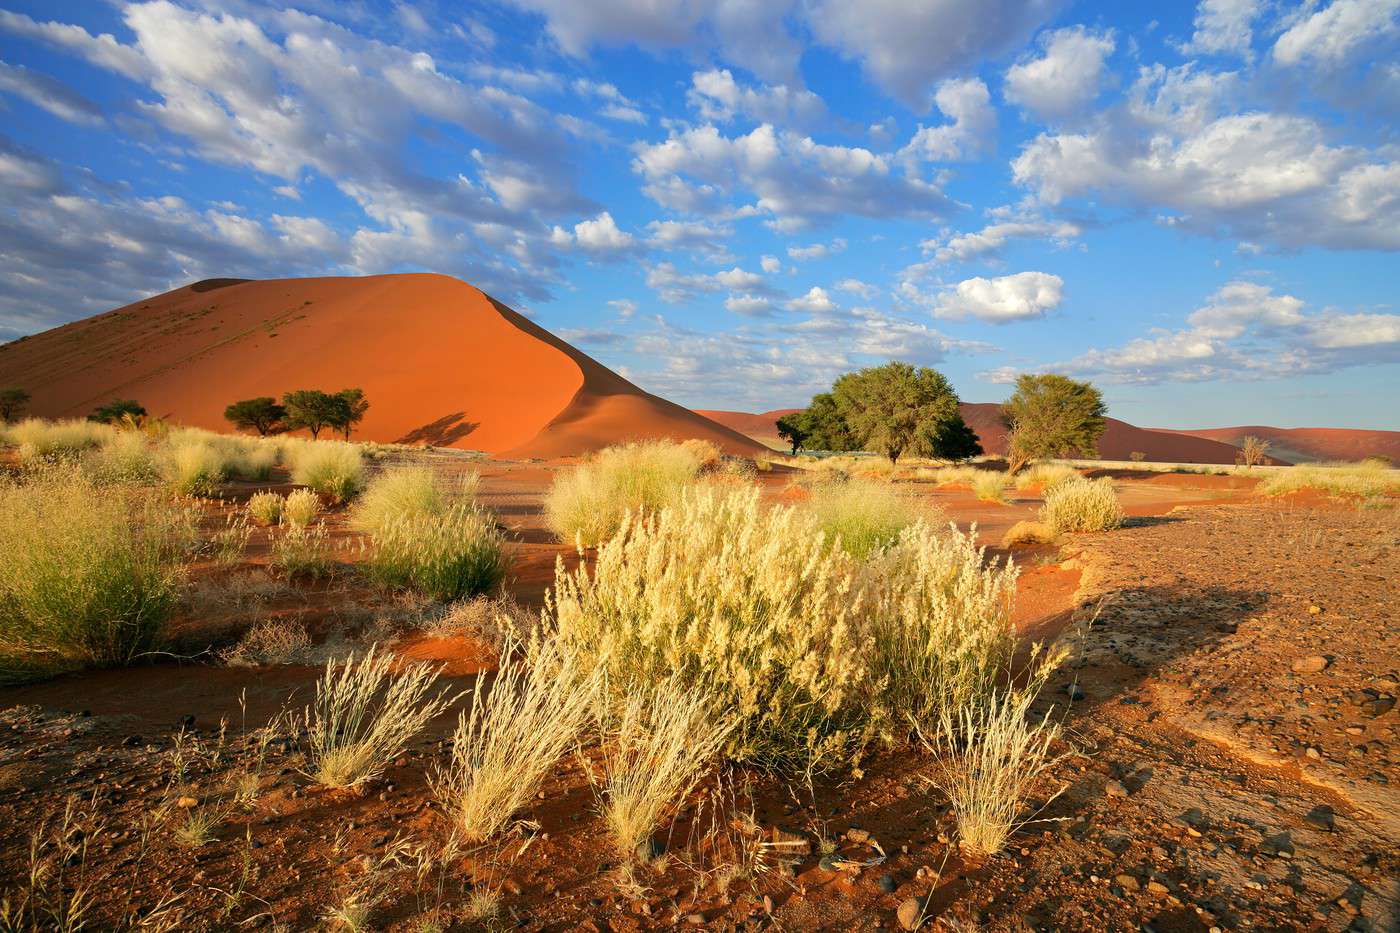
(1301, 445)
(1119, 441)
(441, 363)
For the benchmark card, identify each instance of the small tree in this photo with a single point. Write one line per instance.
(119, 411)
(313, 409)
(793, 429)
(954, 440)
(896, 408)
(1253, 451)
(826, 429)
(351, 411)
(262, 414)
(12, 403)
(1050, 415)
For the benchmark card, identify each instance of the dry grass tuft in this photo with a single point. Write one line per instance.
(409, 492)
(455, 553)
(39, 440)
(300, 508)
(303, 553)
(1367, 479)
(864, 515)
(1046, 476)
(588, 504)
(265, 508)
(1028, 532)
(364, 716)
(270, 642)
(495, 621)
(1081, 506)
(990, 486)
(665, 738)
(331, 468)
(511, 738)
(195, 468)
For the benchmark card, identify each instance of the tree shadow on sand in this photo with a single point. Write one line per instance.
(444, 432)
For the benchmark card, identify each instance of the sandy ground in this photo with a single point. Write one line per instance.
(1218, 778)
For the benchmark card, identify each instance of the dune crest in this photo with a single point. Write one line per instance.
(440, 361)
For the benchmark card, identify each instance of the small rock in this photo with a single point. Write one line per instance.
(1115, 789)
(1323, 817)
(887, 884)
(1156, 887)
(187, 803)
(858, 835)
(1310, 665)
(911, 913)
(1127, 882)
(1314, 610)
(1378, 707)
(1279, 844)
(1073, 691)
(695, 920)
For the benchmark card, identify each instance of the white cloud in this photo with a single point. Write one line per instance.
(625, 308)
(102, 50)
(1018, 297)
(857, 287)
(749, 305)
(816, 250)
(616, 106)
(1240, 306)
(54, 96)
(816, 301)
(675, 286)
(771, 264)
(598, 237)
(1064, 80)
(908, 45)
(1351, 331)
(991, 239)
(968, 104)
(1223, 26)
(719, 98)
(704, 238)
(1331, 36)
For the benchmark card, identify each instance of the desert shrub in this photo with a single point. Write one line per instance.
(300, 508)
(664, 740)
(451, 554)
(706, 453)
(409, 492)
(953, 475)
(303, 552)
(496, 621)
(993, 755)
(270, 642)
(990, 486)
(511, 738)
(226, 546)
(364, 716)
(39, 440)
(331, 468)
(1046, 476)
(863, 515)
(1082, 505)
(89, 575)
(265, 508)
(588, 504)
(1026, 532)
(732, 471)
(195, 467)
(253, 460)
(1366, 479)
(815, 651)
(125, 457)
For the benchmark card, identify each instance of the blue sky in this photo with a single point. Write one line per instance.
(733, 201)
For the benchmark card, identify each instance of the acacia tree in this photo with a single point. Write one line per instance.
(895, 408)
(352, 408)
(1253, 451)
(124, 410)
(12, 402)
(1050, 415)
(826, 429)
(955, 440)
(793, 429)
(312, 409)
(262, 414)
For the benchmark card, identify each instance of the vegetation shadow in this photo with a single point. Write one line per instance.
(444, 432)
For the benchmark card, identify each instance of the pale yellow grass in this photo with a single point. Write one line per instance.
(865, 515)
(1082, 505)
(1366, 479)
(588, 504)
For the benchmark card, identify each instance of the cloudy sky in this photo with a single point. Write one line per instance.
(732, 201)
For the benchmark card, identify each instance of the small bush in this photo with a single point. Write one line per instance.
(253, 461)
(706, 453)
(333, 469)
(265, 508)
(1046, 476)
(863, 515)
(195, 468)
(665, 739)
(588, 504)
(270, 642)
(495, 621)
(300, 508)
(303, 552)
(125, 457)
(449, 555)
(89, 575)
(990, 486)
(409, 492)
(1025, 532)
(364, 716)
(1082, 505)
(511, 738)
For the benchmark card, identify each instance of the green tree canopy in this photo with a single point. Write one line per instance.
(895, 408)
(262, 414)
(1050, 415)
(118, 409)
(826, 429)
(313, 409)
(793, 429)
(352, 408)
(954, 440)
(12, 402)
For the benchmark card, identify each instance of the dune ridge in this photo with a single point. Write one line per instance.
(440, 361)
(1301, 445)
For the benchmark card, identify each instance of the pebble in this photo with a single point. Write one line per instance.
(1115, 789)
(1127, 882)
(1310, 665)
(1074, 692)
(1323, 817)
(910, 913)
(887, 884)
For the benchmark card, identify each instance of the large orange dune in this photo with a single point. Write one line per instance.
(440, 362)
(1304, 444)
(1120, 439)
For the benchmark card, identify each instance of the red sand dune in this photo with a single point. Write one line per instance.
(1119, 441)
(1304, 444)
(441, 363)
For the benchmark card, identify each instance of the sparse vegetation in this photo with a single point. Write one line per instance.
(302, 552)
(1368, 479)
(270, 642)
(365, 714)
(588, 504)
(1253, 451)
(12, 402)
(409, 493)
(1046, 476)
(300, 508)
(452, 554)
(333, 469)
(40, 440)
(1082, 505)
(863, 515)
(265, 508)
(990, 486)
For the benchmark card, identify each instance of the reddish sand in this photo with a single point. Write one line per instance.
(440, 362)
(1304, 444)
(1119, 441)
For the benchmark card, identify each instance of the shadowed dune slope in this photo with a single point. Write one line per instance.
(1306, 444)
(1119, 441)
(440, 362)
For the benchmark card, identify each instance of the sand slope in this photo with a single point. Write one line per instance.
(440, 362)
(1301, 445)
(1119, 441)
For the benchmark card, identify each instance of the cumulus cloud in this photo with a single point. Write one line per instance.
(615, 104)
(1001, 300)
(54, 96)
(993, 238)
(599, 237)
(816, 250)
(1223, 26)
(674, 286)
(1333, 35)
(968, 104)
(857, 287)
(717, 97)
(1066, 77)
(815, 301)
(749, 305)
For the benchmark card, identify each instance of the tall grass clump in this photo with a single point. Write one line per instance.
(331, 468)
(409, 492)
(863, 515)
(196, 467)
(364, 716)
(125, 457)
(452, 554)
(253, 460)
(588, 504)
(815, 651)
(40, 440)
(1368, 478)
(990, 486)
(1082, 505)
(1046, 476)
(303, 552)
(511, 738)
(89, 575)
(993, 755)
(664, 740)
(300, 508)
(265, 508)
